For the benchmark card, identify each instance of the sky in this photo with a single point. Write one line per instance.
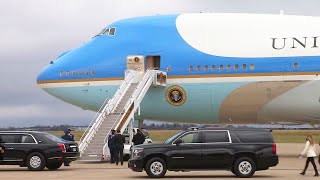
(34, 32)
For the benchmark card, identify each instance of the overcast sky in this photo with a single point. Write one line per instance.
(34, 32)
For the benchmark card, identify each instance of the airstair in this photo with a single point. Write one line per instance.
(117, 113)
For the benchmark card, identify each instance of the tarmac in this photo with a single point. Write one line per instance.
(289, 167)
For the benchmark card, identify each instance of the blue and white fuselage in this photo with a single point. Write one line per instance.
(243, 68)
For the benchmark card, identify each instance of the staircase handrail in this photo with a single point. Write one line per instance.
(105, 110)
(146, 80)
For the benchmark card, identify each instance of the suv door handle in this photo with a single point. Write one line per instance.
(10, 148)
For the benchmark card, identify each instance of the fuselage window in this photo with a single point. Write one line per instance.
(206, 67)
(190, 68)
(79, 72)
(213, 67)
(295, 65)
(229, 67)
(251, 66)
(236, 67)
(221, 67)
(86, 72)
(198, 68)
(61, 73)
(244, 66)
(73, 73)
(112, 31)
(67, 73)
(168, 68)
(93, 72)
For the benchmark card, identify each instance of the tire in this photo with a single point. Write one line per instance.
(54, 166)
(232, 170)
(36, 162)
(156, 168)
(244, 167)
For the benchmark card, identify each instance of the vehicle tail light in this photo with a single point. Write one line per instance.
(62, 147)
(274, 148)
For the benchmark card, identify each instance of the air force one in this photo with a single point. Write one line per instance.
(214, 68)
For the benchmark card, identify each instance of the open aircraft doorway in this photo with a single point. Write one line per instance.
(153, 62)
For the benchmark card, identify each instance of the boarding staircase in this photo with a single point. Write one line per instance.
(117, 113)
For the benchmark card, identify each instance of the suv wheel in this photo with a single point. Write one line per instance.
(244, 167)
(156, 168)
(36, 162)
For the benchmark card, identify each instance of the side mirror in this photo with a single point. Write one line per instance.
(178, 141)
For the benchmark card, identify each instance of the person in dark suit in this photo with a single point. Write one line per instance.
(119, 141)
(138, 138)
(111, 145)
(69, 137)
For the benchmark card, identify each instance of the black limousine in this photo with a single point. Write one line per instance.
(35, 150)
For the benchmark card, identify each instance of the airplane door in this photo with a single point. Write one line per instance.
(136, 63)
(153, 62)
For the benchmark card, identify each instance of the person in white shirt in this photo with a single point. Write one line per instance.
(310, 151)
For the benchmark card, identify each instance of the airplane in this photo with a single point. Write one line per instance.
(221, 67)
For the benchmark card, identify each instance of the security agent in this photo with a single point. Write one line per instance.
(69, 137)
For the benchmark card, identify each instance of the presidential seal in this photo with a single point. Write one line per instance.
(176, 95)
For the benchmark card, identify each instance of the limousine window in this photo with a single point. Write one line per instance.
(215, 137)
(27, 139)
(8, 138)
(16, 138)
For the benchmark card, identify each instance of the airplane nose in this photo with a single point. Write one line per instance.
(47, 74)
(50, 71)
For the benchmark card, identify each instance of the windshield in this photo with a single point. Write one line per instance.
(107, 32)
(172, 138)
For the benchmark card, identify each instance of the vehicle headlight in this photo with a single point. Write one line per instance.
(136, 152)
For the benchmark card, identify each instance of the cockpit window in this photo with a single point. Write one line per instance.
(112, 31)
(107, 32)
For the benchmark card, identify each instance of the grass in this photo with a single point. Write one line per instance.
(280, 136)
(295, 136)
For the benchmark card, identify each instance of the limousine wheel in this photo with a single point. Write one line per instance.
(36, 162)
(54, 166)
(244, 167)
(156, 167)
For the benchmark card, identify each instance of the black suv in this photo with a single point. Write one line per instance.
(36, 150)
(242, 151)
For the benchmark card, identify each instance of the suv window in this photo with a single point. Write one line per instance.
(255, 136)
(192, 137)
(215, 137)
